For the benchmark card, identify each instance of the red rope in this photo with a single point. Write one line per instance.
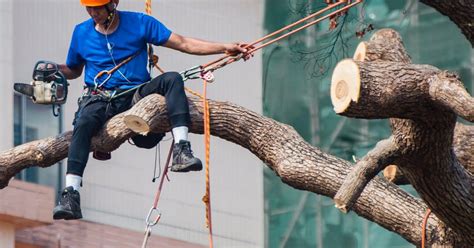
(250, 46)
(165, 174)
(423, 227)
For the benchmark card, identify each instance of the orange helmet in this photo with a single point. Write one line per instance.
(94, 3)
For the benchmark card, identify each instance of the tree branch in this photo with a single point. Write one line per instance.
(384, 45)
(422, 125)
(446, 89)
(463, 145)
(384, 153)
(460, 12)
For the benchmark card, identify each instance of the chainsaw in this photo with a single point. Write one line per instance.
(49, 86)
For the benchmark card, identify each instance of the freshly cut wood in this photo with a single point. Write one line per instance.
(385, 45)
(381, 89)
(393, 174)
(137, 124)
(345, 88)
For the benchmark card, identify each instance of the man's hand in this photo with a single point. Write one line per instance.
(234, 49)
(71, 73)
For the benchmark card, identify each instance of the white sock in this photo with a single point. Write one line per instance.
(74, 181)
(180, 133)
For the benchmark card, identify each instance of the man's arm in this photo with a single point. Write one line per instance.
(71, 73)
(200, 47)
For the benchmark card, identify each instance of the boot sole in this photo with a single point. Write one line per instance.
(186, 168)
(66, 215)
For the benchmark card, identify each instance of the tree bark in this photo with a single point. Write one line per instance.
(461, 12)
(463, 147)
(422, 130)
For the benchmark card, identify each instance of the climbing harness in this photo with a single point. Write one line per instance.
(205, 72)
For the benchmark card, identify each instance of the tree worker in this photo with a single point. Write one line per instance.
(104, 42)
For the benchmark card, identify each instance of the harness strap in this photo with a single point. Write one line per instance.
(115, 68)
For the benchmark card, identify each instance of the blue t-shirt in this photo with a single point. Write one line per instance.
(135, 30)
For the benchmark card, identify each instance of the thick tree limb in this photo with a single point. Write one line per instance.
(380, 89)
(49, 151)
(463, 146)
(387, 90)
(384, 153)
(387, 45)
(423, 132)
(461, 12)
(447, 89)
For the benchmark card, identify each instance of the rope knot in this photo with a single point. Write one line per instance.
(205, 198)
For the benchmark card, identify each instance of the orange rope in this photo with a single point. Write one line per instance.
(148, 6)
(207, 140)
(423, 227)
(193, 92)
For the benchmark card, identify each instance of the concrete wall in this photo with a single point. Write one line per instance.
(6, 72)
(7, 235)
(120, 192)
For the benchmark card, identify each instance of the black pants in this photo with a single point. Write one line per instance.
(94, 111)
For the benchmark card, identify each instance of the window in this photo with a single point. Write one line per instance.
(32, 122)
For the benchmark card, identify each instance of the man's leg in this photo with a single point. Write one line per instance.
(171, 86)
(88, 121)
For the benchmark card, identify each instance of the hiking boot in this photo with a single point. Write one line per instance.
(69, 207)
(183, 159)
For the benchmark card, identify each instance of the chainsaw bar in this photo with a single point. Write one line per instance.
(25, 89)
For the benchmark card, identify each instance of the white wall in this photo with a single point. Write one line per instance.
(6, 78)
(119, 191)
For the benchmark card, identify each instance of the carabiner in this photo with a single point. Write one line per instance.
(191, 73)
(100, 74)
(149, 222)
